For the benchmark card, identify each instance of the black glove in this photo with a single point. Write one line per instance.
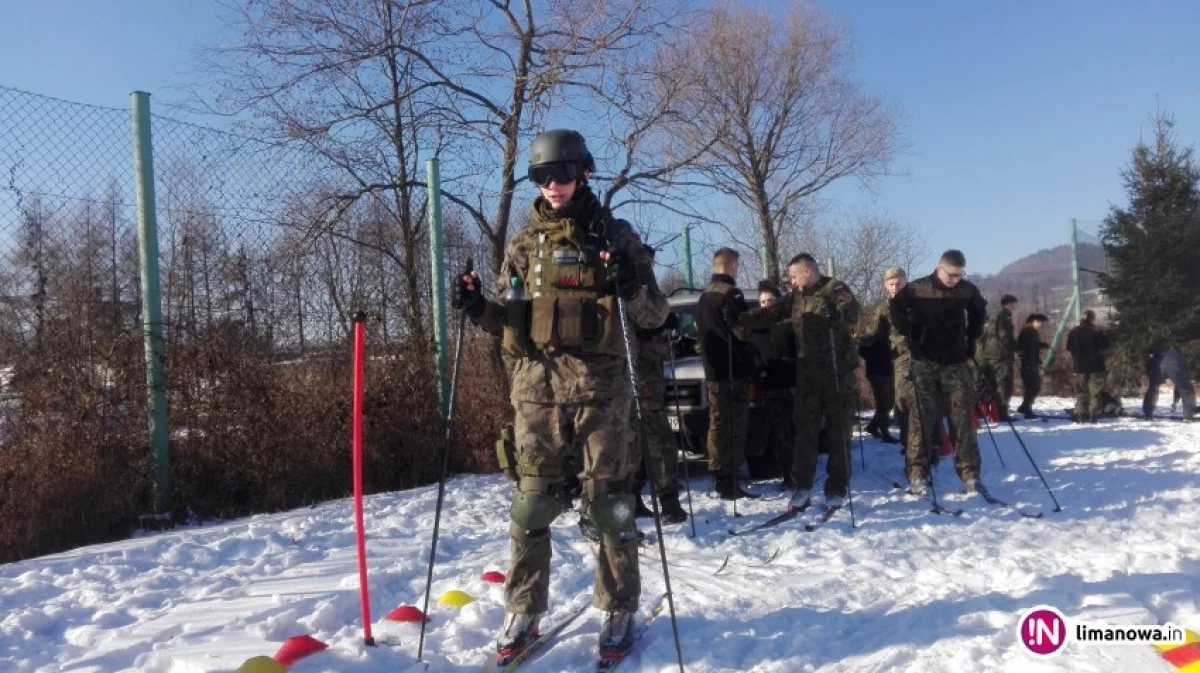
(672, 322)
(466, 296)
(623, 275)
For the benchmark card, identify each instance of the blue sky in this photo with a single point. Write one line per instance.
(1019, 113)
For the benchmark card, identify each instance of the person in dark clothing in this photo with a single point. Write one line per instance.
(942, 316)
(1029, 350)
(776, 346)
(1169, 364)
(729, 364)
(1087, 346)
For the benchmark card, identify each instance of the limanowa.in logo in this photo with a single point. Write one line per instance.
(1044, 631)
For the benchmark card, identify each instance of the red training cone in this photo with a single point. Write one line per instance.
(298, 647)
(406, 613)
(947, 449)
(493, 577)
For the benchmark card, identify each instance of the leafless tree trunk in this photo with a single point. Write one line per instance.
(794, 119)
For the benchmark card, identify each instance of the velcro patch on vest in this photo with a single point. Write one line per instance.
(567, 257)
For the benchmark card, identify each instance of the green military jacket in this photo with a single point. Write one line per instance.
(807, 310)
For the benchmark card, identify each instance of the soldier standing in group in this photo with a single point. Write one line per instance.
(557, 308)
(875, 347)
(997, 347)
(655, 436)
(879, 336)
(776, 346)
(1029, 347)
(823, 312)
(941, 316)
(1087, 346)
(728, 366)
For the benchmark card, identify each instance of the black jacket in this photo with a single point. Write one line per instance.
(776, 349)
(942, 324)
(878, 356)
(1087, 346)
(715, 335)
(1029, 347)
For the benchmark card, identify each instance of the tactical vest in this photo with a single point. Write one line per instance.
(569, 306)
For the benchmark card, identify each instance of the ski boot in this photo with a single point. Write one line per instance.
(518, 633)
(616, 635)
(670, 509)
(641, 511)
(800, 500)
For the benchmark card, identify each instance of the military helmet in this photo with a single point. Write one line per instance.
(560, 146)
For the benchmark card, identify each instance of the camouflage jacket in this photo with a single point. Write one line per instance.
(807, 310)
(572, 377)
(997, 341)
(879, 328)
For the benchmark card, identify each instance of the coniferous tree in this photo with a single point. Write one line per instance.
(1154, 284)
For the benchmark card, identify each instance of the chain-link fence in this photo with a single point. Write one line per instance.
(261, 260)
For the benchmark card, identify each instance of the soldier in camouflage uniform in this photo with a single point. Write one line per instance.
(654, 435)
(879, 330)
(568, 270)
(941, 316)
(996, 352)
(820, 308)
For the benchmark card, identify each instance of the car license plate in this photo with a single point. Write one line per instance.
(673, 421)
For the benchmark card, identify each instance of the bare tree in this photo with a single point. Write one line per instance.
(866, 244)
(794, 119)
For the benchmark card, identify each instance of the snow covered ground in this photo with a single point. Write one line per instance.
(906, 591)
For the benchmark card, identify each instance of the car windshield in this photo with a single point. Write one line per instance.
(687, 320)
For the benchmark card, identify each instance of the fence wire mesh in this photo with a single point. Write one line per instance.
(261, 260)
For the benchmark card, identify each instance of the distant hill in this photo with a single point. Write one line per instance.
(1042, 281)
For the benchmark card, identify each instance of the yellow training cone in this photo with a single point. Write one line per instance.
(455, 598)
(261, 665)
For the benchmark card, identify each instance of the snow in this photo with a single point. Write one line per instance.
(905, 591)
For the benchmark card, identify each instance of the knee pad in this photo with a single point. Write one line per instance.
(612, 513)
(534, 509)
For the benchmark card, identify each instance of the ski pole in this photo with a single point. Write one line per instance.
(729, 353)
(437, 513)
(992, 391)
(637, 407)
(360, 317)
(1057, 507)
(837, 388)
(687, 442)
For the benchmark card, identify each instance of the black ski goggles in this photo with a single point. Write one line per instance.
(562, 173)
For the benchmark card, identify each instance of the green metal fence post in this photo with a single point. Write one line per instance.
(439, 281)
(687, 256)
(1074, 309)
(156, 381)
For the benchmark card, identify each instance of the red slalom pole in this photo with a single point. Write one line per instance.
(359, 330)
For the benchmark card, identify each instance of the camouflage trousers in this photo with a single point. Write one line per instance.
(942, 391)
(655, 437)
(820, 403)
(545, 435)
(1087, 395)
(781, 407)
(997, 378)
(728, 409)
